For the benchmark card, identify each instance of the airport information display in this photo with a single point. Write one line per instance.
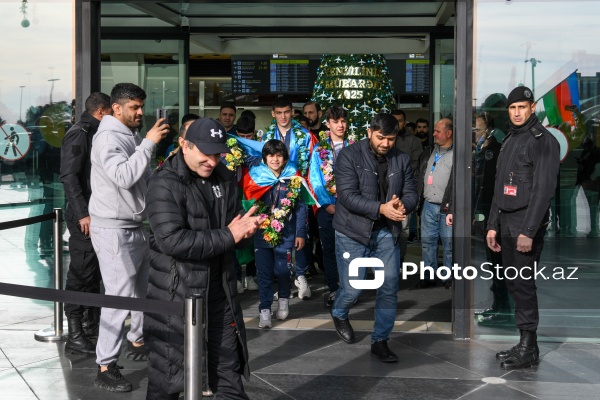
(277, 73)
(417, 76)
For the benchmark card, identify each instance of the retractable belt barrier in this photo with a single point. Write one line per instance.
(26, 221)
(92, 299)
(190, 309)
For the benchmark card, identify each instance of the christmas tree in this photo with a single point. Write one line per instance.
(358, 82)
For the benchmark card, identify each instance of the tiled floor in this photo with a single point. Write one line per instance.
(301, 358)
(315, 364)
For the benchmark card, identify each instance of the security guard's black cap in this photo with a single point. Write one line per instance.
(520, 93)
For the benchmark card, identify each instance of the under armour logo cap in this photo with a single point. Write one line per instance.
(518, 94)
(209, 135)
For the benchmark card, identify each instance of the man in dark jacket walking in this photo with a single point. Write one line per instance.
(84, 271)
(526, 176)
(376, 189)
(411, 145)
(195, 215)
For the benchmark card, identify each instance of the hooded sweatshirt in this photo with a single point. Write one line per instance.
(120, 168)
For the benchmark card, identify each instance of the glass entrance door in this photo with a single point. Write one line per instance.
(157, 66)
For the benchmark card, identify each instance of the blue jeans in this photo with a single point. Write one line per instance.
(382, 245)
(327, 235)
(433, 227)
(272, 262)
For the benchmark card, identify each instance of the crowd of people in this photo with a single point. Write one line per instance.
(305, 193)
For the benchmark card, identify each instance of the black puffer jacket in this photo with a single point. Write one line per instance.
(183, 249)
(357, 185)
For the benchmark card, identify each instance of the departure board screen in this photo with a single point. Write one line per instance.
(417, 74)
(274, 74)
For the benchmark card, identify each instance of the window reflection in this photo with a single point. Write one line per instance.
(565, 78)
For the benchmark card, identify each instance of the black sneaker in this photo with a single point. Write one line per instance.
(112, 380)
(139, 353)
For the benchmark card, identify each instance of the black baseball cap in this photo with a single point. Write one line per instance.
(518, 94)
(209, 135)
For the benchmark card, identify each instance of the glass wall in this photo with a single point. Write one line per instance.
(158, 67)
(36, 101)
(546, 46)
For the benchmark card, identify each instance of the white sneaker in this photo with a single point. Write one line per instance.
(240, 287)
(264, 319)
(251, 283)
(276, 296)
(283, 311)
(303, 289)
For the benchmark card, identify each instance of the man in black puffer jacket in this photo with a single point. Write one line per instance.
(194, 212)
(375, 191)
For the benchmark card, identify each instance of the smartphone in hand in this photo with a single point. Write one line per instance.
(161, 113)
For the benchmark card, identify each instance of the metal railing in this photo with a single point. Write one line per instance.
(56, 333)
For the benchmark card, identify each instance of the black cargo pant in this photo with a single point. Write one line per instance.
(84, 270)
(523, 288)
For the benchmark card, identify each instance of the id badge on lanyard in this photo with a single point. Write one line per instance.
(435, 161)
(509, 188)
(430, 179)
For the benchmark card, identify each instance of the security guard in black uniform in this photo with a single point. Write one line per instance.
(526, 176)
(84, 271)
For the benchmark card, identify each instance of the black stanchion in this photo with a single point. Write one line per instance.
(56, 333)
(193, 348)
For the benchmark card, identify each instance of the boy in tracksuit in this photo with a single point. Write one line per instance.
(322, 180)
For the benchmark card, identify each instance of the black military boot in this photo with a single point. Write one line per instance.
(91, 322)
(526, 354)
(77, 342)
(505, 354)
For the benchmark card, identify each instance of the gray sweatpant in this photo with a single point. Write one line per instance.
(123, 256)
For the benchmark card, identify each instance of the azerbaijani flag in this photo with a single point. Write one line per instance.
(564, 94)
(259, 179)
(251, 148)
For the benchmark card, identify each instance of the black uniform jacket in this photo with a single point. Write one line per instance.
(183, 248)
(528, 164)
(75, 166)
(357, 183)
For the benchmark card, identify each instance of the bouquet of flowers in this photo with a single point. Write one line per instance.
(236, 157)
(325, 151)
(273, 223)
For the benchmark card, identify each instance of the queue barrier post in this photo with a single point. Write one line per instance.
(193, 347)
(56, 333)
